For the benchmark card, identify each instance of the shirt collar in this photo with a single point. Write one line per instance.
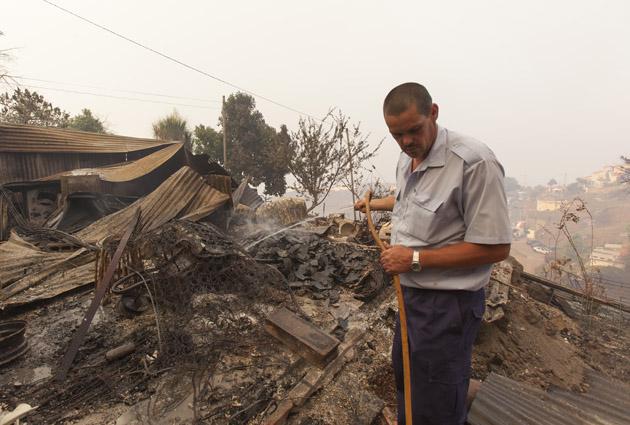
(437, 154)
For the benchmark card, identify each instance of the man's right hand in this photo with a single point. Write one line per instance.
(360, 206)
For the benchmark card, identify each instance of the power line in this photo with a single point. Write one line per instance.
(170, 58)
(135, 99)
(196, 99)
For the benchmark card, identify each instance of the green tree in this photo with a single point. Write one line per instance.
(29, 107)
(276, 156)
(85, 121)
(208, 141)
(511, 184)
(254, 148)
(574, 189)
(174, 128)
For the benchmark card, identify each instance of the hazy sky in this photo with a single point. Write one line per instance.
(546, 84)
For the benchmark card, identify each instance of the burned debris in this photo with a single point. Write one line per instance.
(141, 284)
(314, 264)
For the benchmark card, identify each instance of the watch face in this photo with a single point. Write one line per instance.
(415, 267)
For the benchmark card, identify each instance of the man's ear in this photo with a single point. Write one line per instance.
(435, 111)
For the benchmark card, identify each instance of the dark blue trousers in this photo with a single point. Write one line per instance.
(442, 327)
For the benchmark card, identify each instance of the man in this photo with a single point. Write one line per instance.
(449, 224)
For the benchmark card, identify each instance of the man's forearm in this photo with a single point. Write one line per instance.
(463, 254)
(383, 204)
(397, 259)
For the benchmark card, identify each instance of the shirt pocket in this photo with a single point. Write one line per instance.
(424, 218)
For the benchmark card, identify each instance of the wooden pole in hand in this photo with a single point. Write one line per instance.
(403, 316)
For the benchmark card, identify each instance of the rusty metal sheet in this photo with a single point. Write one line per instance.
(25, 167)
(606, 400)
(127, 171)
(220, 182)
(29, 274)
(501, 400)
(55, 284)
(183, 195)
(48, 272)
(308, 341)
(19, 258)
(26, 138)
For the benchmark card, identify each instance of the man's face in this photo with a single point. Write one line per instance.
(414, 132)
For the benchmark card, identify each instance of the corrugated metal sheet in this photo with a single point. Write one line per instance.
(28, 273)
(21, 167)
(128, 171)
(605, 401)
(183, 195)
(501, 401)
(25, 138)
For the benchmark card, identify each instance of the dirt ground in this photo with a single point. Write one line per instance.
(534, 343)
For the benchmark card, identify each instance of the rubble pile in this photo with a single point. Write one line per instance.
(184, 333)
(206, 301)
(320, 267)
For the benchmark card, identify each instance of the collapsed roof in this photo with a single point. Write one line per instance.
(29, 152)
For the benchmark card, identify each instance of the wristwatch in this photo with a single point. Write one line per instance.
(415, 261)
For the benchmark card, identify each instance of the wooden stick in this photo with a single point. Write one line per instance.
(403, 316)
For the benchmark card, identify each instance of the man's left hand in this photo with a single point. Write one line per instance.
(397, 259)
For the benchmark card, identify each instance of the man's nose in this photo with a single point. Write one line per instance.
(407, 139)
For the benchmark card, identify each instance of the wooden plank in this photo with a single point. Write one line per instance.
(4, 219)
(308, 341)
(315, 379)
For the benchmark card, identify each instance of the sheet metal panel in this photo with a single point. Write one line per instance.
(502, 401)
(20, 167)
(182, 195)
(127, 171)
(605, 401)
(25, 138)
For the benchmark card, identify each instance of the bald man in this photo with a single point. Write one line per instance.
(449, 225)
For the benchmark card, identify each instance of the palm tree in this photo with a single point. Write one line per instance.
(172, 127)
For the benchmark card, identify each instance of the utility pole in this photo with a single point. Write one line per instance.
(354, 213)
(224, 134)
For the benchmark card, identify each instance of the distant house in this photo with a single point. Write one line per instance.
(610, 174)
(607, 256)
(546, 204)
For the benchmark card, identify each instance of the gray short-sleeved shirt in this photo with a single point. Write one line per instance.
(456, 194)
